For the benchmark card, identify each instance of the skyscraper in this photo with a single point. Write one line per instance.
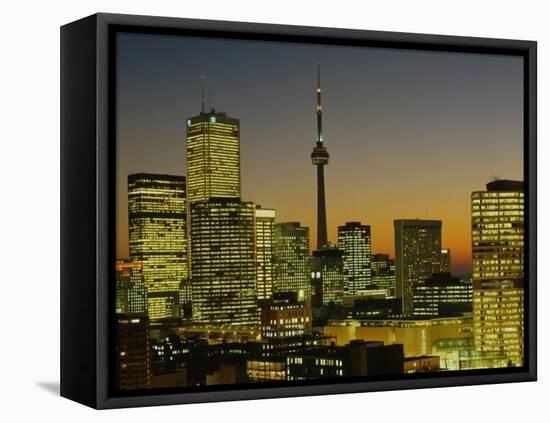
(319, 158)
(417, 256)
(222, 227)
(157, 229)
(264, 230)
(291, 258)
(498, 259)
(222, 262)
(213, 156)
(354, 240)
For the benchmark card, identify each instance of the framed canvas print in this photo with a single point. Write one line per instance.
(255, 211)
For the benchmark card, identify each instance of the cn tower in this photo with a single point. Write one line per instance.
(319, 158)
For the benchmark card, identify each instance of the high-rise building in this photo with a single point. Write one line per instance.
(131, 293)
(223, 265)
(445, 260)
(132, 365)
(264, 222)
(157, 226)
(354, 239)
(213, 157)
(319, 158)
(498, 259)
(383, 273)
(327, 275)
(442, 295)
(417, 256)
(291, 258)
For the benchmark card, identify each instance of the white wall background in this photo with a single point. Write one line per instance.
(29, 229)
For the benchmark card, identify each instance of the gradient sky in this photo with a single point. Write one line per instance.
(410, 133)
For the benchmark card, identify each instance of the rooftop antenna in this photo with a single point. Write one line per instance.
(210, 107)
(203, 77)
(319, 108)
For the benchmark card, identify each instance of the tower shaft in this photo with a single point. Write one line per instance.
(321, 209)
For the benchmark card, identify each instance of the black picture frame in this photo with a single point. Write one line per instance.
(87, 203)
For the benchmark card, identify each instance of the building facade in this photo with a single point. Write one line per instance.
(285, 316)
(354, 239)
(498, 272)
(264, 241)
(445, 260)
(358, 358)
(158, 237)
(132, 365)
(417, 256)
(223, 263)
(442, 295)
(383, 273)
(213, 156)
(291, 258)
(131, 293)
(327, 275)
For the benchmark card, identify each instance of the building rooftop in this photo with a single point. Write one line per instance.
(505, 185)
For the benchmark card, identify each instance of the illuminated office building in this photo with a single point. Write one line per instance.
(157, 230)
(213, 156)
(383, 273)
(286, 315)
(131, 294)
(417, 334)
(498, 260)
(445, 260)
(290, 258)
(442, 295)
(417, 256)
(327, 276)
(460, 354)
(132, 365)
(265, 221)
(223, 263)
(498, 232)
(265, 369)
(354, 240)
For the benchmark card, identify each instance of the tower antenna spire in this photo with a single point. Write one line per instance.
(319, 108)
(203, 100)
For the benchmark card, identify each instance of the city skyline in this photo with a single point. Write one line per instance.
(236, 291)
(427, 112)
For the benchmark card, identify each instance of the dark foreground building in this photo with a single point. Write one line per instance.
(132, 352)
(358, 358)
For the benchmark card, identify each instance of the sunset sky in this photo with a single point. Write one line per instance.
(410, 133)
